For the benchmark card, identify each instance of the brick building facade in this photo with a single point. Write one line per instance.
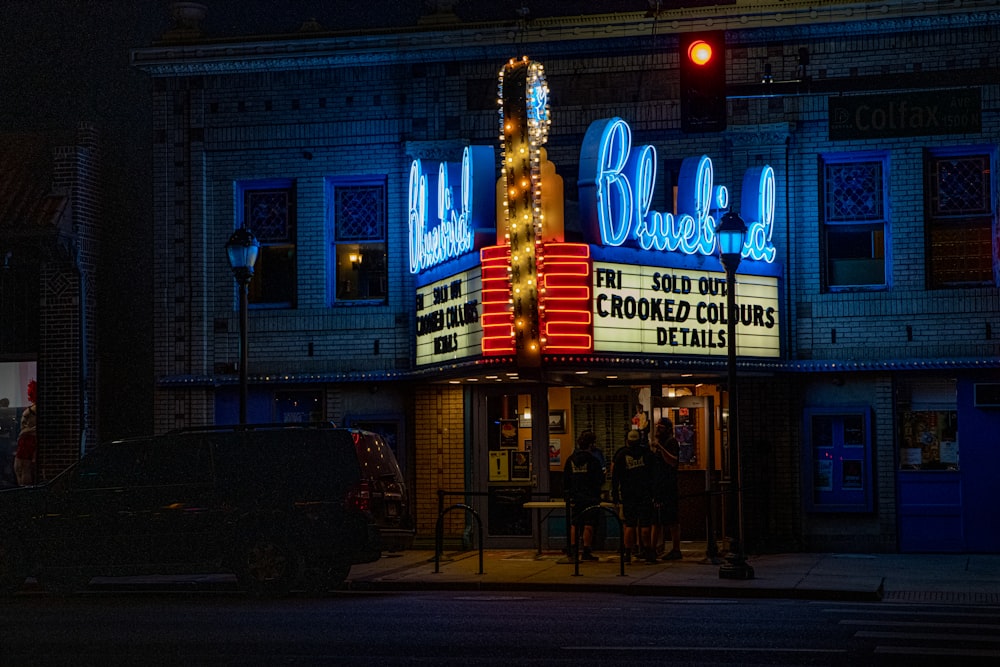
(49, 216)
(884, 345)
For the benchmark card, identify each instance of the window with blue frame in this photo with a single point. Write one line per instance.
(927, 417)
(959, 217)
(357, 260)
(268, 209)
(837, 462)
(855, 215)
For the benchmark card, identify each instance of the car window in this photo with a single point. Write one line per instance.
(110, 465)
(301, 463)
(174, 460)
(377, 459)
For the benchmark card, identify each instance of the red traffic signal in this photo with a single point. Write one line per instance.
(700, 52)
(703, 81)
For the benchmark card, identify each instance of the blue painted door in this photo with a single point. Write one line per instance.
(954, 508)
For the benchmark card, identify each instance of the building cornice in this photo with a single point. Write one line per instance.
(748, 23)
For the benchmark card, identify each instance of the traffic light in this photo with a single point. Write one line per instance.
(703, 81)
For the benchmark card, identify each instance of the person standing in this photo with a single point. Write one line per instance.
(640, 421)
(632, 487)
(583, 477)
(666, 493)
(27, 441)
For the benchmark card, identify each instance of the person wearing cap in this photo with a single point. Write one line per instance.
(583, 477)
(666, 493)
(632, 487)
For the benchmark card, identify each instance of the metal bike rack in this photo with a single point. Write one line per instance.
(439, 535)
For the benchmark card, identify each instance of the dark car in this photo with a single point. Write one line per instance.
(277, 506)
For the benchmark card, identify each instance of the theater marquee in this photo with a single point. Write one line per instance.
(655, 310)
(448, 318)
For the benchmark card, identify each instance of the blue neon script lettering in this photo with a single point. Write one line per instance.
(616, 191)
(441, 219)
(758, 206)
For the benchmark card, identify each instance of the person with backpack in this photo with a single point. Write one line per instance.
(632, 486)
(583, 477)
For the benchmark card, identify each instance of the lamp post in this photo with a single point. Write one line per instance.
(242, 248)
(731, 233)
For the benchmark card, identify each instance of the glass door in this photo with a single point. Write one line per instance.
(510, 464)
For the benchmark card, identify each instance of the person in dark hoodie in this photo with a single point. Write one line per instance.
(632, 486)
(667, 450)
(583, 477)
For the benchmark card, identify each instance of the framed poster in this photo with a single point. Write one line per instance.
(520, 466)
(555, 453)
(499, 466)
(508, 434)
(557, 421)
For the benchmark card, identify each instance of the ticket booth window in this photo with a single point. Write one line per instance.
(837, 465)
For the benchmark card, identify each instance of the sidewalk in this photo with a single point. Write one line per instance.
(955, 578)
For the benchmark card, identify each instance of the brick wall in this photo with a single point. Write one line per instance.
(439, 458)
(67, 350)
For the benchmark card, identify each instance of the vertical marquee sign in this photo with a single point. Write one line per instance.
(524, 122)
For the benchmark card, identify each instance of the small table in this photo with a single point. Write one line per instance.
(538, 506)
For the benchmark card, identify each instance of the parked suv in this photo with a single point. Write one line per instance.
(278, 506)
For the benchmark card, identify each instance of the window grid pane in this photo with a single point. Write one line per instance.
(267, 215)
(360, 211)
(853, 192)
(961, 185)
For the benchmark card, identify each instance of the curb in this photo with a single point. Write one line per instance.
(723, 592)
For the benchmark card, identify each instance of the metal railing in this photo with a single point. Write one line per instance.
(711, 550)
(577, 522)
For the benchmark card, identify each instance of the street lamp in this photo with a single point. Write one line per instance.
(732, 232)
(242, 248)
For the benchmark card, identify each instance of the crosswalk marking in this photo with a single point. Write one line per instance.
(939, 631)
(875, 634)
(923, 650)
(919, 624)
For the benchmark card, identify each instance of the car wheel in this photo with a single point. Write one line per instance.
(267, 566)
(12, 566)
